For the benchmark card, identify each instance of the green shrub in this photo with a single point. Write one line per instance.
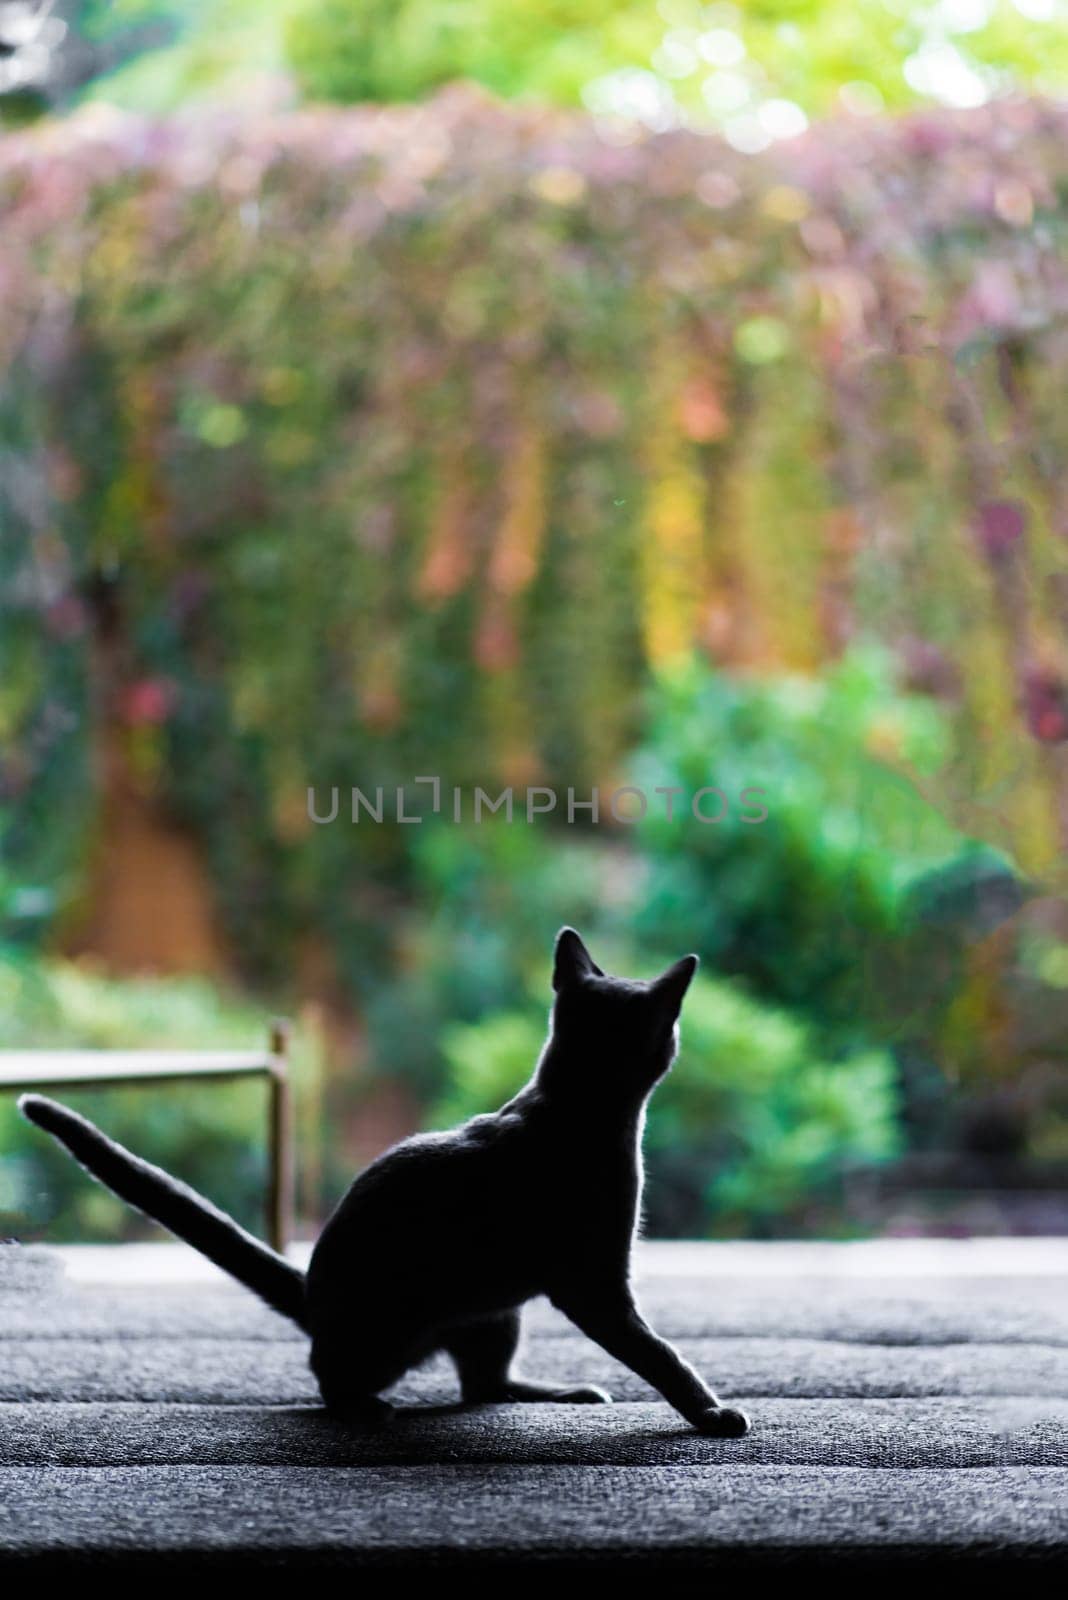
(210, 1134)
(813, 906)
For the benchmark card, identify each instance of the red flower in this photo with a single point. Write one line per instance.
(149, 701)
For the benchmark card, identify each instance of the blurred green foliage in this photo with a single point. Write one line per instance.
(211, 1134)
(809, 903)
(346, 446)
(345, 499)
(403, 51)
(757, 68)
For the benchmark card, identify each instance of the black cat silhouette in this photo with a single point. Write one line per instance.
(441, 1240)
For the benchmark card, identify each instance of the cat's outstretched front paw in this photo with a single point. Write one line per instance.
(722, 1422)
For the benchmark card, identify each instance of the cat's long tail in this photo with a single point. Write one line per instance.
(175, 1205)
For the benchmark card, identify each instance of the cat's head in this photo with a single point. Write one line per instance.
(628, 1030)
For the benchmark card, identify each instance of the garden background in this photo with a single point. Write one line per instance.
(580, 397)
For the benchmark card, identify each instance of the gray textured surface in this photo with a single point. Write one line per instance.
(265, 1372)
(917, 1313)
(1020, 1431)
(919, 1421)
(706, 1514)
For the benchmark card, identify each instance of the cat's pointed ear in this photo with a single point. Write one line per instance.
(670, 988)
(572, 961)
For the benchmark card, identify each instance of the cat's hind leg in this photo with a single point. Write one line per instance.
(352, 1369)
(483, 1352)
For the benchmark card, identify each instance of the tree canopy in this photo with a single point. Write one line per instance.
(757, 70)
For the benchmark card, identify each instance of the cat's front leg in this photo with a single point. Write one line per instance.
(615, 1323)
(484, 1351)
